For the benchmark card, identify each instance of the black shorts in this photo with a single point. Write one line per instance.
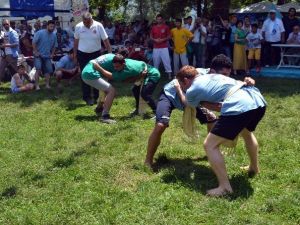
(165, 107)
(230, 126)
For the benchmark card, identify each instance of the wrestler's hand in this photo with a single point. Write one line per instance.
(249, 81)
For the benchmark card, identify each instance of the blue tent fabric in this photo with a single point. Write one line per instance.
(31, 8)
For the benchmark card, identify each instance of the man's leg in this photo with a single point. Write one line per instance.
(176, 62)
(166, 61)
(216, 160)
(184, 59)
(48, 69)
(3, 64)
(147, 92)
(26, 87)
(252, 150)
(58, 75)
(136, 93)
(156, 58)
(153, 143)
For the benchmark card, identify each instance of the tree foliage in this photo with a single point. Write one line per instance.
(141, 9)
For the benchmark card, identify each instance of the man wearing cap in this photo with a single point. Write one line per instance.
(274, 33)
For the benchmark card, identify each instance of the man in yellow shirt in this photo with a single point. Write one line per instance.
(181, 37)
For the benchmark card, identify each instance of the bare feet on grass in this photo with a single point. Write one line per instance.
(252, 171)
(219, 191)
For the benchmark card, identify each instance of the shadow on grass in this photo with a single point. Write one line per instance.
(4, 90)
(30, 98)
(82, 118)
(198, 177)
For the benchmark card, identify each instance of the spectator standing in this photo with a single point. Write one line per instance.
(233, 22)
(44, 44)
(273, 33)
(239, 52)
(160, 35)
(110, 30)
(87, 45)
(254, 40)
(181, 37)
(290, 21)
(225, 37)
(196, 48)
(9, 47)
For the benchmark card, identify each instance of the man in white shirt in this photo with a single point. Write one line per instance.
(87, 45)
(196, 49)
(9, 48)
(273, 33)
(294, 37)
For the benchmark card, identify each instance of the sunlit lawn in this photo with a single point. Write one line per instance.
(59, 165)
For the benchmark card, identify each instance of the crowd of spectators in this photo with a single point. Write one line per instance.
(193, 41)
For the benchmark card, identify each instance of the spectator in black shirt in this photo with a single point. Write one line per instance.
(225, 37)
(290, 21)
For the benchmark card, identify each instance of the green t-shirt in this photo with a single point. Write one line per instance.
(105, 61)
(134, 68)
(241, 34)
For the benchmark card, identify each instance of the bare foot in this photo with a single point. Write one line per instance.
(148, 164)
(219, 191)
(48, 87)
(37, 88)
(251, 171)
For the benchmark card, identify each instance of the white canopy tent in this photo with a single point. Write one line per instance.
(285, 8)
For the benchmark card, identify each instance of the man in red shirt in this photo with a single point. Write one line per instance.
(160, 35)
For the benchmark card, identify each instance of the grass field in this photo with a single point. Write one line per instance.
(59, 165)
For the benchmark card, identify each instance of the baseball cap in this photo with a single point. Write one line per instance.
(272, 11)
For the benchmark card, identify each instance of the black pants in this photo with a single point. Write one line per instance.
(146, 94)
(83, 59)
(271, 54)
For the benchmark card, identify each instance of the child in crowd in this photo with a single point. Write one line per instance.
(254, 40)
(18, 81)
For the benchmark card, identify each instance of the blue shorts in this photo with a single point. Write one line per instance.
(15, 90)
(43, 64)
(165, 107)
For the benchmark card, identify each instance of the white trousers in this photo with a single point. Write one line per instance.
(183, 58)
(162, 54)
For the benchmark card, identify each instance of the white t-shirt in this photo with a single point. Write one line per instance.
(273, 29)
(203, 37)
(90, 38)
(294, 38)
(197, 34)
(254, 40)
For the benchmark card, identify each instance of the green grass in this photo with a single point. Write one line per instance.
(59, 165)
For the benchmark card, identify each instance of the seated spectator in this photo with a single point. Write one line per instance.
(294, 37)
(18, 81)
(66, 68)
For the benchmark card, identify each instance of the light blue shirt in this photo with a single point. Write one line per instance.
(170, 90)
(65, 63)
(13, 38)
(213, 88)
(45, 42)
(233, 29)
